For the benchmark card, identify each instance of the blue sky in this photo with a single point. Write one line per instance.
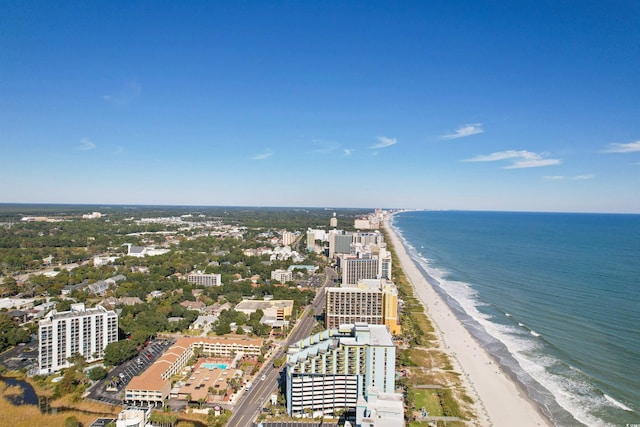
(497, 105)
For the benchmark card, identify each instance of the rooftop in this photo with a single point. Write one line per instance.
(262, 305)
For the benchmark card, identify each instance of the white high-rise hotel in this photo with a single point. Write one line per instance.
(84, 331)
(331, 370)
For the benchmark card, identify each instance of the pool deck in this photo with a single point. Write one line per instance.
(201, 378)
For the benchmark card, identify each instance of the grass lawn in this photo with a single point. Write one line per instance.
(428, 399)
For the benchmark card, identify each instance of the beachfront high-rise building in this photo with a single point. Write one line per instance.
(339, 243)
(351, 243)
(355, 269)
(349, 305)
(83, 331)
(384, 258)
(330, 371)
(373, 301)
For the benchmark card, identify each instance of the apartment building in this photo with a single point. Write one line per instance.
(281, 275)
(288, 238)
(331, 370)
(203, 279)
(84, 331)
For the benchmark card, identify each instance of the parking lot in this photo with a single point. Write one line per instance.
(21, 356)
(110, 389)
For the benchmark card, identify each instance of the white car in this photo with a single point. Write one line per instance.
(262, 378)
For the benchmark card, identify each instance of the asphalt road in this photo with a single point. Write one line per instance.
(252, 401)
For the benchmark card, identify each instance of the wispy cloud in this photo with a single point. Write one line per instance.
(583, 177)
(263, 156)
(86, 145)
(129, 91)
(348, 151)
(571, 178)
(119, 149)
(323, 146)
(519, 159)
(464, 131)
(630, 147)
(383, 142)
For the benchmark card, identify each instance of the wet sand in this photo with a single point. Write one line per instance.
(498, 401)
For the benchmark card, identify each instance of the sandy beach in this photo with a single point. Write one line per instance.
(498, 400)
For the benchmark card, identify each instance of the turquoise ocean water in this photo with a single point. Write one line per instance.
(555, 298)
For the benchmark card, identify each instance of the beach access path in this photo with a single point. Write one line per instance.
(498, 401)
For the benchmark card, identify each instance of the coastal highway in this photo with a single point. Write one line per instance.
(253, 400)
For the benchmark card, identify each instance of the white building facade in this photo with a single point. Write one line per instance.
(331, 370)
(281, 275)
(204, 279)
(84, 331)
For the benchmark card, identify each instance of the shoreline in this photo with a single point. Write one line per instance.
(498, 400)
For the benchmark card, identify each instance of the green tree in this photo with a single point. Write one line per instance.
(120, 351)
(97, 373)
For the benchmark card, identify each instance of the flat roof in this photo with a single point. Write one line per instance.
(260, 304)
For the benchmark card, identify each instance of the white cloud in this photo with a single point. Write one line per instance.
(630, 147)
(86, 145)
(520, 159)
(583, 177)
(383, 142)
(572, 178)
(348, 151)
(537, 163)
(262, 156)
(464, 131)
(323, 146)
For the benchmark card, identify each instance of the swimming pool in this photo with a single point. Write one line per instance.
(210, 366)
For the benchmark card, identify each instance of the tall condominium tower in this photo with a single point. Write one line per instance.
(329, 371)
(372, 301)
(83, 331)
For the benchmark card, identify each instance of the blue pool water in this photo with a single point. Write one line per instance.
(210, 366)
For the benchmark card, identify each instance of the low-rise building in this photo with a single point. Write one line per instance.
(276, 312)
(380, 410)
(193, 305)
(133, 417)
(153, 386)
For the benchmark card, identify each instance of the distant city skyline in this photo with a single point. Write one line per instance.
(469, 105)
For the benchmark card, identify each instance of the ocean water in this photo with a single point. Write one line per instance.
(555, 298)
